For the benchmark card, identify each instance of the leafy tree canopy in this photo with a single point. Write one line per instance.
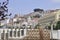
(3, 9)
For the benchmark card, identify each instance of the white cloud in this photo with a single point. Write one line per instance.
(56, 1)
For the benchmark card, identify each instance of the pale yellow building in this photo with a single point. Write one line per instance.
(50, 18)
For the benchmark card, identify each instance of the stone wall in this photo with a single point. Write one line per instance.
(32, 34)
(37, 34)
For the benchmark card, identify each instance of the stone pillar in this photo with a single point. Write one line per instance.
(17, 32)
(5, 31)
(58, 34)
(25, 32)
(9, 33)
(13, 32)
(20, 32)
(6, 34)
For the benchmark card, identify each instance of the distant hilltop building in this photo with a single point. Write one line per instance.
(37, 13)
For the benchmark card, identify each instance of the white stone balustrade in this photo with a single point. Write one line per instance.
(9, 35)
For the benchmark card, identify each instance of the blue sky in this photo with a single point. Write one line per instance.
(27, 6)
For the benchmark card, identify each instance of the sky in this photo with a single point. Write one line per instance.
(26, 6)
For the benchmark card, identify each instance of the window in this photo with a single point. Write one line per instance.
(22, 32)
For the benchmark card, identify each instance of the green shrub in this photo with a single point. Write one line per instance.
(55, 27)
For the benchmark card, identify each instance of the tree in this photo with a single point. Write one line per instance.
(58, 25)
(55, 27)
(3, 9)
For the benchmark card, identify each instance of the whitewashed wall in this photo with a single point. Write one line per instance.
(56, 34)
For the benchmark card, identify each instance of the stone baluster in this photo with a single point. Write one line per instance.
(17, 32)
(9, 33)
(13, 32)
(6, 34)
(5, 31)
(25, 32)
